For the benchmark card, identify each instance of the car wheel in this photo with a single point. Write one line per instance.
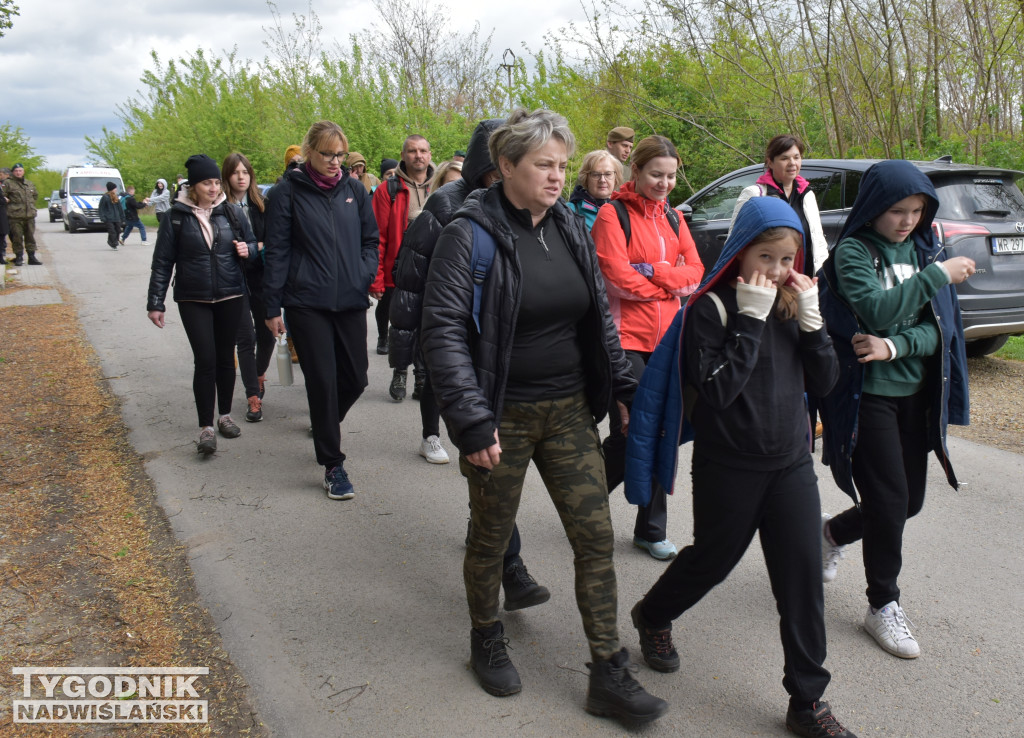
(985, 346)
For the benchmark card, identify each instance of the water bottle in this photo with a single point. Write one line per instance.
(284, 363)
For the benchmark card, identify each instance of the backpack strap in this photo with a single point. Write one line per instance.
(393, 185)
(484, 247)
(673, 218)
(623, 213)
(718, 304)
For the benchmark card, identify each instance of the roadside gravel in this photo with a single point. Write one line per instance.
(997, 412)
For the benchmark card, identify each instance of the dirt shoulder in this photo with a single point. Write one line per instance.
(90, 571)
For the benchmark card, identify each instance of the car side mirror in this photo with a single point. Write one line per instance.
(687, 212)
(63, 194)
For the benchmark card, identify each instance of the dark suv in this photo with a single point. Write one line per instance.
(54, 206)
(981, 215)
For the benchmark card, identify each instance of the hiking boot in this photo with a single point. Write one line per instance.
(262, 383)
(613, 692)
(831, 554)
(34, 260)
(655, 643)
(18, 261)
(397, 388)
(661, 550)
(818, 722)
(255, 412)
(888, 626)
(382, 344)
(207, 442)
(337, 485)
(432, 450)
(228, 428)
(522, 590)
(491, 664)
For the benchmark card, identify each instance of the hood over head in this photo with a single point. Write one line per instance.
(885, 184)
(354, 157)
(478, 158)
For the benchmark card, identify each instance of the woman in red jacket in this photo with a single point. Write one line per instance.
(646, 273)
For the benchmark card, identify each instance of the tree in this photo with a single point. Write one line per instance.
(7, 12)
(15, 148)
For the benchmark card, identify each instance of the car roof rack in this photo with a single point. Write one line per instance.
(948, 159)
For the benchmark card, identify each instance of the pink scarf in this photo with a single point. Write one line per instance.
(324, 183)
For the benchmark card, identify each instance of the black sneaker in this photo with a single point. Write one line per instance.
(382, 345)
(18, 261)
(207, 442)
(655, 643)
(818, 722)
(490, 661)
(613, 692)
(33, 260)
(337, 485)
(522, 590)
(255, 412)
(397, 388)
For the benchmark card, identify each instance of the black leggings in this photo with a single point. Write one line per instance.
(211, 328)
(255, 344)
(383, 311)
(114, 233)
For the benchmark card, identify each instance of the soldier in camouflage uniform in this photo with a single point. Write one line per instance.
(526, 375)
(21, 211)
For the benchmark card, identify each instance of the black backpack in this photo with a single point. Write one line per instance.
(623, 213)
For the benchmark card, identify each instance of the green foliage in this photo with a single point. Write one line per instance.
(1014, 349)
(7, 12)
(15, 149)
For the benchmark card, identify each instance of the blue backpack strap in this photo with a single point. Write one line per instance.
(480, 265)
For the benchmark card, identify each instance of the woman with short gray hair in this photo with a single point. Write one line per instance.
(600, 175)
(524, 357)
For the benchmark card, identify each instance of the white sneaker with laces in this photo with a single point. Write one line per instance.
(831, 554)
(888, 626)
(432, 450)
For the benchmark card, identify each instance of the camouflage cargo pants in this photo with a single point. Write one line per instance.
(562, 440)
(23, 235)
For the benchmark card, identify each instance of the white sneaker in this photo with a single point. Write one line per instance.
(888, 626)
(432, 450)
(831, 554)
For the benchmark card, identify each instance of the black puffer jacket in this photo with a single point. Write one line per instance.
(320, 249)
(469, 370)
(418, 246)
(201, 273)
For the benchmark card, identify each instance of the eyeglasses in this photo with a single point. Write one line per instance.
(339, 157)
(602, 175)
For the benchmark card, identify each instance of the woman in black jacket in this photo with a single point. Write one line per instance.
(203, 243)
(526, 376)
(255, 342)
(321, 257)
(112, 214)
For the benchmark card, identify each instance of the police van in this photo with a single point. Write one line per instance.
(81, 188)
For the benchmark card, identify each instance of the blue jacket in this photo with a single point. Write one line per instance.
(657, 424)
(885, 184)
(584, 205)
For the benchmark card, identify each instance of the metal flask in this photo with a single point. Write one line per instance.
(284, 363)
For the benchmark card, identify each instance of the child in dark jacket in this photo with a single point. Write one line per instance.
(894, 316)
(752, 342)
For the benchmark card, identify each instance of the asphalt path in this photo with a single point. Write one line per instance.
(349, 618)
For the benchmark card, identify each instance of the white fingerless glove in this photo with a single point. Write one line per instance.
(807, 312)
(755, 302)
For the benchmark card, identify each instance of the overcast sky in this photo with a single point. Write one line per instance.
(67, 64)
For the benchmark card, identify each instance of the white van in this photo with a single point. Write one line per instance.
(81, 188)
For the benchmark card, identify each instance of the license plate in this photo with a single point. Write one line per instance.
(1008, 245)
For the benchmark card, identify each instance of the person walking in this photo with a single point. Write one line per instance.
(160, 199)
(646, 271)
(892, 309)
(321, 258)
(600, 175)
(479, 172)
(254, 343)
(748, 345)
(783, 159)
(203, 243)
(526, 377)
(111, 212)
(21, 197)
(131, 214)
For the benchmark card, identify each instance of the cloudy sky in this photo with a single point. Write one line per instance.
(67, 64)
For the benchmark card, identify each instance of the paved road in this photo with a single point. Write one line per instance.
(314, 597)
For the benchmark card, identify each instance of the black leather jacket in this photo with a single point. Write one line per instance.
(201, 273)
(469, 370)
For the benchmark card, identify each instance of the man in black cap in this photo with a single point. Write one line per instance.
(21, 212)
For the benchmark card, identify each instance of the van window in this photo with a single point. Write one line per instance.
(90, 185)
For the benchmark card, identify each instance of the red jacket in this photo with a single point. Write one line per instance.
(391, 218)
(643, 308)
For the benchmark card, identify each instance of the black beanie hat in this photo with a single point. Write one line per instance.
(111, 186)
(386, 164)
(201, 168)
